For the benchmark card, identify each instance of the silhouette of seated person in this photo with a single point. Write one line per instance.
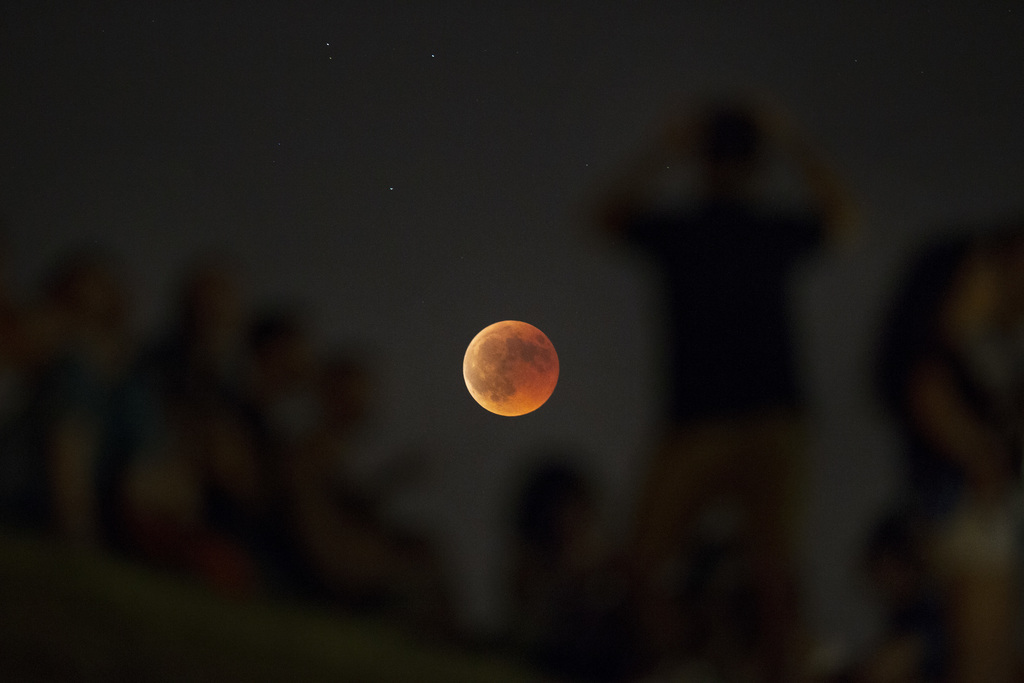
(734, 413)
(571, 615)
(199, 361)
(358, 558)
(245, 492)
(187, 393)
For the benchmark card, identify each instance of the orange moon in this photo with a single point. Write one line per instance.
(510, 368)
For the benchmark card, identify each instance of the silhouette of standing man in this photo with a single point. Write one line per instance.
(734, 406)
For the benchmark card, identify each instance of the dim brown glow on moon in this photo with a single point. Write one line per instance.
(510, 368)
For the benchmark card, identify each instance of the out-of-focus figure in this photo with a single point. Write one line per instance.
(187, 413)
(356, 556)
(735, 417)
(950, 368)
(247, 495)
(571, 615)
(19, 359)
(14, 353)
(66, 433)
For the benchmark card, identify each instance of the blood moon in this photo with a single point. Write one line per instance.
(510, 368)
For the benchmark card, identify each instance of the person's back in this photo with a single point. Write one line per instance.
(726, 259)
(734, 423)
(726, 267)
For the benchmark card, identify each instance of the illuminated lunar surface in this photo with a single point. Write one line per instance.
(510, 368)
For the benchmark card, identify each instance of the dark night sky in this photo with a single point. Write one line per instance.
(416, 171)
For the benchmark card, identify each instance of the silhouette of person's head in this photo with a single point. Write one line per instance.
(85, 291)
(730, 149)
(210, 308)
(281, 354)
(555, 505)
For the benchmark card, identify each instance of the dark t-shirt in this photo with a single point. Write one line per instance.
(727, 269)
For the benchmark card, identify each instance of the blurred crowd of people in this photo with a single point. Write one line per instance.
(215, 448)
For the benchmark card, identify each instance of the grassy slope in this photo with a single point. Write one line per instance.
(84, 617)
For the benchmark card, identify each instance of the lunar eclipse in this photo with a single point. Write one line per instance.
(510, 368)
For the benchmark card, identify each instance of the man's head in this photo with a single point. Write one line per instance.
(730, 149)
